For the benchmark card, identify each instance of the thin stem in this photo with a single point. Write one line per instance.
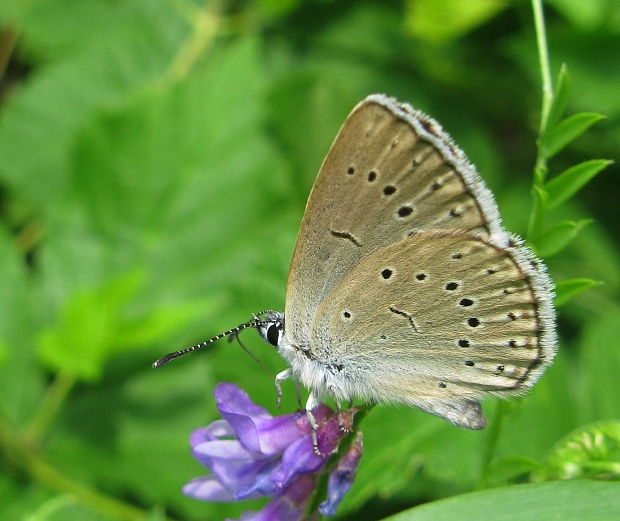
(206, 22)
(540, 169)
(49, 508)
(491, 446)
(55, 396)
(8, 39)
(543, 58)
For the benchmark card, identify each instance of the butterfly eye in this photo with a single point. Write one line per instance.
(273, 334)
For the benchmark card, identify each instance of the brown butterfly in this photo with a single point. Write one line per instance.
(404, 287)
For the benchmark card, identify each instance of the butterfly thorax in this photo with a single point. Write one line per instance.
(320, 376)
(323, 377)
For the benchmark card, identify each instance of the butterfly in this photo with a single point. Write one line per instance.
(404, 287)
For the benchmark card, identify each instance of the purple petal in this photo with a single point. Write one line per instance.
(330, 432)
(341, 478)
(300, 490)
(276, 434)
(255, 427)
(234, 399)
(214, 431)
(208, 488)
(221, 449)
(290, 506)
(298, 458)
(221, 429)
(261, 483)
(237, 408)
(231, 463)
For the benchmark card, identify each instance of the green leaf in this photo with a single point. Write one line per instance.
(87, 333)
(65, 507)
(161, 321)
(560, 98)
(586, 16)
(556, 138)
(563, 186)
(278, 8)
(596, 385)
(537, 215)
(97, 323)
(21, 382)
(558, 236)
(580, 500)
(431, 452)
(312, 98)
(506, 469)
(591, 451)
(49, 109)
(152, 187)
(443, 21)
(50, 29)
(567, 289)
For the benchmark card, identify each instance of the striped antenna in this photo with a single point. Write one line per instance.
(171, 356)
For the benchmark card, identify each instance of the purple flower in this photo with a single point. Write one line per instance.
(252, 454)
(341, 478)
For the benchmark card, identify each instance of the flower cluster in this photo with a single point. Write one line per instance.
(252, 454)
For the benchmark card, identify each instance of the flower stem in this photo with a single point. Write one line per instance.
(540, 168)
(52, 401)
(543, 59)
(8, 40)
(205, 27)
(491, 445)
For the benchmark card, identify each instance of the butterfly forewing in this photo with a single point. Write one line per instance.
(390, 172)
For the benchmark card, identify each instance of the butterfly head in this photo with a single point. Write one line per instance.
(270, 326)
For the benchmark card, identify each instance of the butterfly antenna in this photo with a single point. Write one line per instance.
(171, 356)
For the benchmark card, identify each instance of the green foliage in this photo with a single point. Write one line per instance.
(570, 501)
(450, 19)
(555, 238)
(155, 159)
(566, 131)
(555, 135)
(568, 183)
(592, 451)
(565, 290)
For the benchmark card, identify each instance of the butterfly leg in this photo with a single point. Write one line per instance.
(341, 418)
(280, 377)
(297, 392)
(312, 404)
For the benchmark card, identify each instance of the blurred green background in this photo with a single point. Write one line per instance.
(155, 159)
